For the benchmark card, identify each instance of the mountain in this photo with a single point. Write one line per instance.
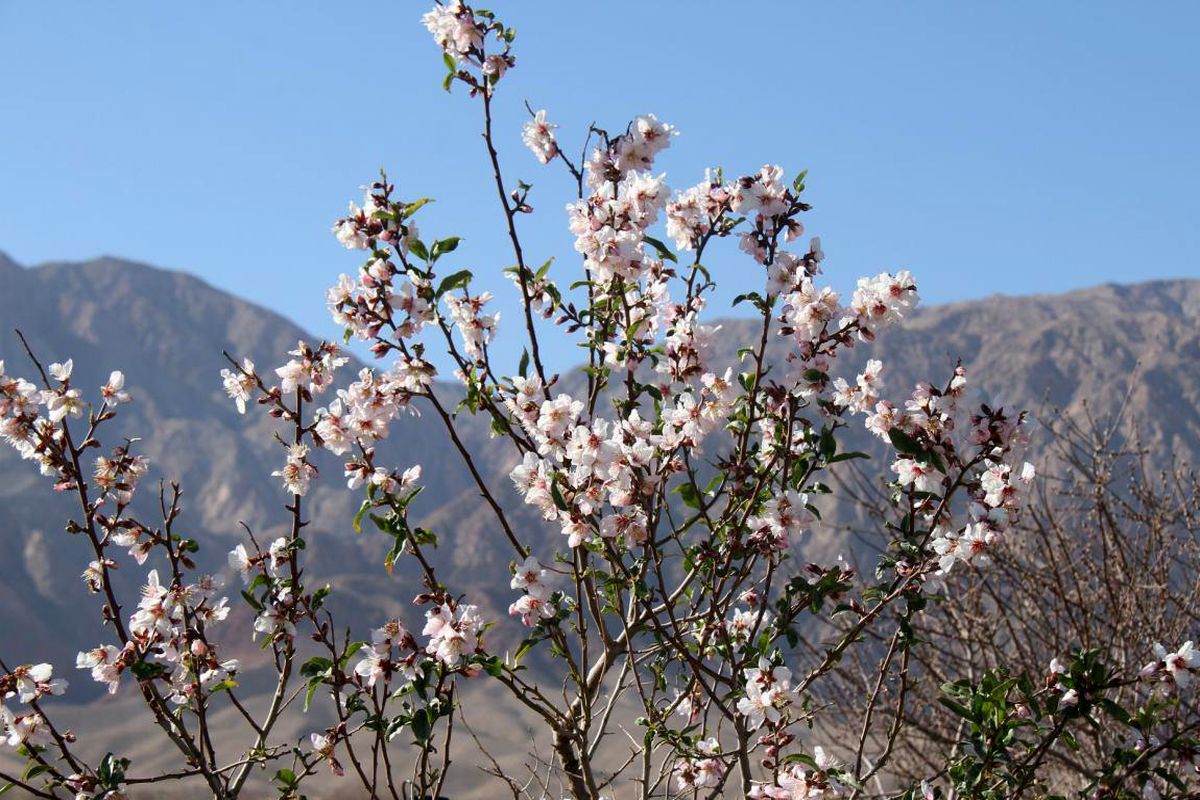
(1135, 347)
(167, 331)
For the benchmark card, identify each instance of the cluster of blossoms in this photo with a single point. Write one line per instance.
(924, 432)
(695, 213)
(603, 463)
(774, 204)
(1177, 668)
(362, 414)
(393, 651)
(106, 663)
(275, 614)
(535, 602)
(310, 370)
(117, 475)
(610, 224)
(374, 301)
(27, 684)
(19, 421)
(169, 626)
(988, 515)
(599, 461)
(66, 400)
(798, 782)
(744, 623)
(35, 435)
(768, 694)
(817, 322)
(462, 32)
(930, 413)
(880, 302)
(630, 152)
(1068, 696)
(376, 222)
(705, 771)
(297, 472)
(363, 411)
(863, 395)
(453, 630)
(538, 136)
(475, 327)
(779, 522)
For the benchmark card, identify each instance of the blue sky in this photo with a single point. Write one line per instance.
(1012, 147)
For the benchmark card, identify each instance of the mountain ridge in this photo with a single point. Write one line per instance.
(1135, 346)
(167, 329)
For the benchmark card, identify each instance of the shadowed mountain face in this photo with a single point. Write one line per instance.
(168, 330)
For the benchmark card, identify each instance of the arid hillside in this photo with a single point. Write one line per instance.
(1137, 345)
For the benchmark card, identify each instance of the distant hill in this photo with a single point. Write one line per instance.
(167, 331)
(1137, 345)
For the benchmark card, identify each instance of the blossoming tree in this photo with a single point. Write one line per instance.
(681, 489)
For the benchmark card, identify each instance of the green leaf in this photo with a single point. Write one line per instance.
(414, 207)
(556, 494)
(523, 367)
(32, 771)
(252, 600)
(443, 246)
(957, 708)
(455, 281)
(315, 667)
(422, 725)
(362, 510)
(417, 248)
(663, 251)
(144, 670)
(847, 457)
(351, 649)
(798, 182)
(525, 647)
(905, 443)
(828, 444)
(690, 496)
(814, 375)
(313, 685)
(1114, 710)
(500, 427)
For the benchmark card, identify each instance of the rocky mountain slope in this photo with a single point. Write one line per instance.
(1135, 346)
(168, 330)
